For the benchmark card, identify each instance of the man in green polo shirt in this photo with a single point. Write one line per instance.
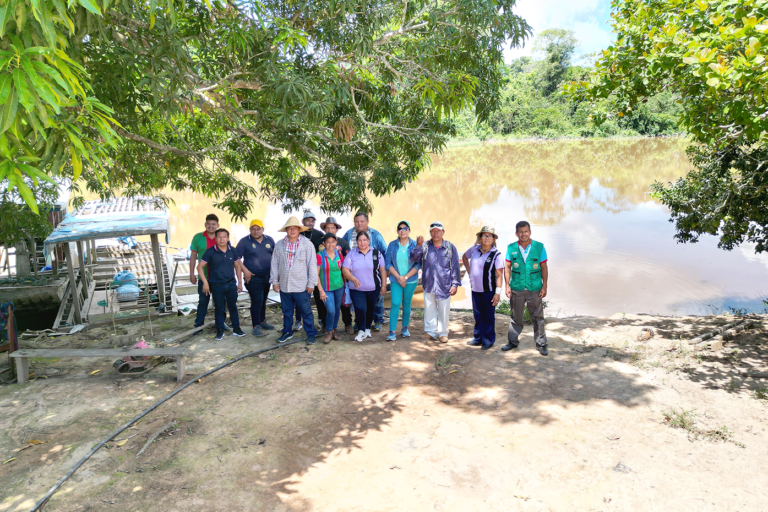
(201, 242)
(526, 275)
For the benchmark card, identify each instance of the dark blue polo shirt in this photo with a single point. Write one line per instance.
(221, 265)
(257, 256)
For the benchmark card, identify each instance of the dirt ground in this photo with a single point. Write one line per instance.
(409, 425)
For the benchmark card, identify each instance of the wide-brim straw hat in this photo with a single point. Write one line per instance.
(490, 230)
(330, 220)
(293, 221)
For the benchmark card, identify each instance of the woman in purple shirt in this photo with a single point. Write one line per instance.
(485, 265)
(364, 269)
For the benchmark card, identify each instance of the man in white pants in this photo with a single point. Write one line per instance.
(440, 278)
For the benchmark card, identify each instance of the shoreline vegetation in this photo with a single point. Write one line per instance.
(532, 105)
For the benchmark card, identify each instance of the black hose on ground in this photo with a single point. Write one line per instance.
(96, 448)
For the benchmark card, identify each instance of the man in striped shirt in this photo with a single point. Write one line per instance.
(293, 274)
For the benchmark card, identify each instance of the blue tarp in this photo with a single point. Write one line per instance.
(109, 225)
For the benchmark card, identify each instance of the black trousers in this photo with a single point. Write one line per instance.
(258, 289)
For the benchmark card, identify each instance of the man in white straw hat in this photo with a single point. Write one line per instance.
(293, 274)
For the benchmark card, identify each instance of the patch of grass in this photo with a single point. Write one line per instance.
(682, 419)
(443, 361)
(761, 393)
(686, 420)
(272, 356)
(505, 308)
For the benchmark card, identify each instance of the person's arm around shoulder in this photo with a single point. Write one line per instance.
(274, 271)
(465, 258)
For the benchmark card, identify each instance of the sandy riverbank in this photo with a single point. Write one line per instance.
(409, 425)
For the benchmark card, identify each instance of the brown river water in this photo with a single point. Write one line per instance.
(610, 245)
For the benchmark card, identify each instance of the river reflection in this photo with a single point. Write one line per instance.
(610, 245)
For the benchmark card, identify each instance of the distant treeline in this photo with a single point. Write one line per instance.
(531, 103)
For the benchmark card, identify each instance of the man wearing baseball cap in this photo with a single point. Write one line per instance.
(440, 277)
(256, 252)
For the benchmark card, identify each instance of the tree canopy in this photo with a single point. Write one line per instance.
(711, 54)
(335, 98)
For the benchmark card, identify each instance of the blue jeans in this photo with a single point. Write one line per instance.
(485, 318)
(378, 310)
(333, 307)
(365, 304)
(202, 305)
(400, 295)
(258, 289)
(289, 302)
(225, 297)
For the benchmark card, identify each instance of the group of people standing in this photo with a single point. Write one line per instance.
(351, 271)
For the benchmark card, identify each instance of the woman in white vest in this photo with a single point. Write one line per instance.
(485, 266)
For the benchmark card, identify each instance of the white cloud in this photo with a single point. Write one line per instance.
(587, 18)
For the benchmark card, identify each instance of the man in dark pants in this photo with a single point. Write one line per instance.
(331, 226)
(526, 274)
(201, 242)
(222, 260)
(256, 253)
(316, 237)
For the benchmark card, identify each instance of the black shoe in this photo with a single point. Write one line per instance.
(508, 346)
(473, 343)
(486, 347)
(310, 340)
(543, 350)
(267, 326)
(285, 337)
(197, 332)
(238, 332)
(219, 335)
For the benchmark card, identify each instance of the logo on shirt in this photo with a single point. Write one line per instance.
(515, 264)
(267, 246)
(254, 246)
(535, 266)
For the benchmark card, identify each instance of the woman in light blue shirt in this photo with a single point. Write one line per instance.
(403, 278)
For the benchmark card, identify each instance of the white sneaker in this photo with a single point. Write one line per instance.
(368, 333)
(298, 325)
(361, 335)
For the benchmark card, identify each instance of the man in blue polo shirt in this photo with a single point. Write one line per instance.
(222, 260)
(256, 252)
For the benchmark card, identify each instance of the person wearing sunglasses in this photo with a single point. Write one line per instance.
(403, 278)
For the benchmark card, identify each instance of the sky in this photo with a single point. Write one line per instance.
(587, 18)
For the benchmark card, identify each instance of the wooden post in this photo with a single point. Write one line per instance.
(22, 370)
(81, 261)
(22, 259)
(158, 268)
(72, 283)
(181, 368)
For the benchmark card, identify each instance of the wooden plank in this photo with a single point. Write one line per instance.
(100, 352)
(81, 262)
(72, 287)
(158, 268)
(187, 333)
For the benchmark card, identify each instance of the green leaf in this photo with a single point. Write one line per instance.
(8, 114)
(22, 90)
(25, 192)
(77, 164)
(90, 5)
(5, 86)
